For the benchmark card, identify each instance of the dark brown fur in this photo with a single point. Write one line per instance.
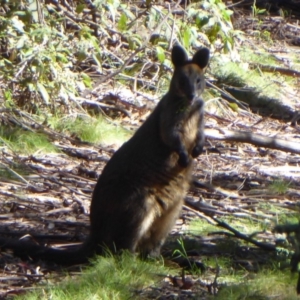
(141, 190)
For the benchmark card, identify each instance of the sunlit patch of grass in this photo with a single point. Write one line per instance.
(264, 86)
(240, 75)
(245, 225)
(289, 218)
(296, 62)
(264, 58)
(111, 277)
(222, 262)
(25, 142)
(93, 130)
(201, 227)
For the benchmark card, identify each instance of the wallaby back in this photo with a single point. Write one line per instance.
(140, 192)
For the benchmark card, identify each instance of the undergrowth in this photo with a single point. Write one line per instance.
(52, 56)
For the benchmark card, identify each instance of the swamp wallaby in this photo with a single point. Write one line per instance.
(141, 190)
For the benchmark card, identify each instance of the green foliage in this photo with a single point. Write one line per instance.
(47, 57)
(122, 22)
(257, 11)
(160, 54)
(200, 227)
(214, 20)
(245, 225)
(39, 60)
(264, 85)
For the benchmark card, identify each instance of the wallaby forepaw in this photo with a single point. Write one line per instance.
(183, 160)
(197, 151)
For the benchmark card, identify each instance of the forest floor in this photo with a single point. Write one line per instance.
(244, 191)
(51, 201)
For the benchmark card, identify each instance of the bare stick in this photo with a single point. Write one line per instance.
(254, 139)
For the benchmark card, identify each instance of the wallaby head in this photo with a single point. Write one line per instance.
(188, 80)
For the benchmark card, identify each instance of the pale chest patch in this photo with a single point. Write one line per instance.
(191, 130)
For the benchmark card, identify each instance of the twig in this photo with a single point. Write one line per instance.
(199, 214)
(84, 101)
(227, 96)
(15, 173)
(127, 61)
(245, 237)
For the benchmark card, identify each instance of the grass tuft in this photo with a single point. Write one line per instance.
(25, 142)
(93, 130)
(279, 186)
(110, 277)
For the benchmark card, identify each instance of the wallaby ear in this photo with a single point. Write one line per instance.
(201, 58)
(179, 56)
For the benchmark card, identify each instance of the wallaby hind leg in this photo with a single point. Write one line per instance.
(117, 227)
(153, 240)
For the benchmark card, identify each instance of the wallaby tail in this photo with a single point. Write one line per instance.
(29, 250)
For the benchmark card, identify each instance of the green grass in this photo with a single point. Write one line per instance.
(201, 227)
(13, 172)
(267, 86)
(111, 278)
(245, 225)
(93, 130)
(289, 218)
(25, 142)
(265, 285)
(239, 75)
(262, 57)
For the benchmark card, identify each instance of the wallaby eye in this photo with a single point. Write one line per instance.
(198, 80)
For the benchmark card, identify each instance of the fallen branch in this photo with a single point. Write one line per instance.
(273, 69)
(254, 139)
(245, 237)
(227, 96)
